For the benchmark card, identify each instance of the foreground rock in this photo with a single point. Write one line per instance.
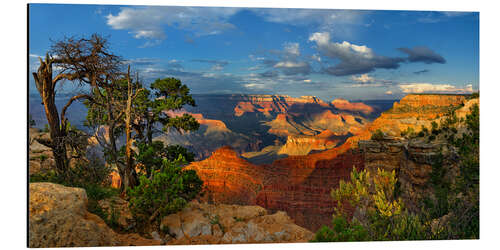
(58, 217)
(224, 224)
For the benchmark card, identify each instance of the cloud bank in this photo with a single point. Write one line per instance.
(434, 88)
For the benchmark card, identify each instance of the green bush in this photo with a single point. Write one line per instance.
(150, 157)
(167, 191)
(341, 230)
(378, 135)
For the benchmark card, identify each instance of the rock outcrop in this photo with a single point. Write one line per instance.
(269, 104)
(411, 160)
(345, 105)
(202, 223)
(58, 217)
(229, 179)
(40, 156)
(303, 145)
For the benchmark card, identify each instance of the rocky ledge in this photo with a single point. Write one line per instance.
(202, 223)
(58, 217)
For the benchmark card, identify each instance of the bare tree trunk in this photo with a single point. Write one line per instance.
(130, 174)
(46, 88)
(128, 114)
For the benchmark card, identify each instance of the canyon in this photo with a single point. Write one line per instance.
(276, 158)
(301, 184)
(263, 128)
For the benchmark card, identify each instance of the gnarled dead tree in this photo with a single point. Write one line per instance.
(84, 61)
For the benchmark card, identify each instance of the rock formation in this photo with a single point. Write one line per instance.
(215, 224)
(228, 178)
(40, 156)
(58, 217)
(345, 105)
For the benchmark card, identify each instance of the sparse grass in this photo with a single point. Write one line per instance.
(238, 219)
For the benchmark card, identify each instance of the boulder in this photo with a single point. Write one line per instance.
(58, 217)
(118, 207)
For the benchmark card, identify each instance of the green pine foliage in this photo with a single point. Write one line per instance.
(168, 190)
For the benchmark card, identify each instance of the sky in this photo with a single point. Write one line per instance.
(351, 54)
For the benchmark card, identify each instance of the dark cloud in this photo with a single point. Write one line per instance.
(269, 62)
(293, 68)
(354, 59)
(422, 54)
(216, 64)
(270, 73)
(356, 66)
(421, 72)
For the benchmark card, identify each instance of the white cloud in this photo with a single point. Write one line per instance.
(292, 49)
(388, 92)
(293, 67)
(255, 86)
(217, 67)
(364, 78)
(344, 22)
(148, 22)
(433, 88)
(289, 64)
(35, 55)
(340, 50)
(307, 80)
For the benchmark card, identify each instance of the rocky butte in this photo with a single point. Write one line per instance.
(301, 185)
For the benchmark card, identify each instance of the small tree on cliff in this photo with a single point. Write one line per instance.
(80, 60)
(151, 107)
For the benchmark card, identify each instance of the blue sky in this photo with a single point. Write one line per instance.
(327, 53)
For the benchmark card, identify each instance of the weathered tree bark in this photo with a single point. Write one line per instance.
(46, 88)
(130, 179)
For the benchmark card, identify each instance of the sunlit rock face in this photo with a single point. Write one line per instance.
(58, 217)
(298, 185)
(203, 223)
(345, 105)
